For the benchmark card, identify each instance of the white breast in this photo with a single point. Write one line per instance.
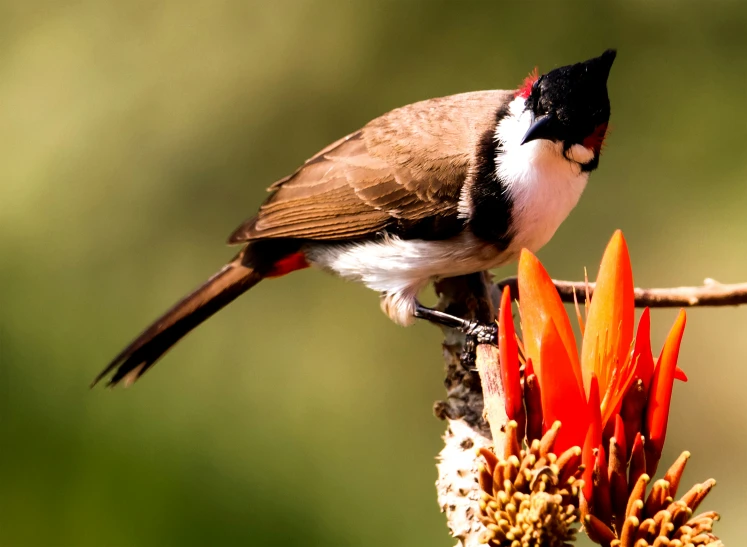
(544, 185)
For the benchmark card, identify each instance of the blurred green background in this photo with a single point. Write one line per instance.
(137, 135)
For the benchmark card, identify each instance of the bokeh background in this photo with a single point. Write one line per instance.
(136, 135)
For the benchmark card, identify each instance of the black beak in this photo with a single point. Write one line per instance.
(541, 128)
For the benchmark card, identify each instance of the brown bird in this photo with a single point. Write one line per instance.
(439, 188)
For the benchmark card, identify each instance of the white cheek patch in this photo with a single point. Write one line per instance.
(544, 184)
(580, 154)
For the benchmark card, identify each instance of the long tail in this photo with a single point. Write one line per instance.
(222, 288)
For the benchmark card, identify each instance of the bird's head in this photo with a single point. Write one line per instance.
(570, 105)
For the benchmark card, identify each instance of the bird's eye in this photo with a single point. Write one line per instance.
(535, 95)
(536, 86)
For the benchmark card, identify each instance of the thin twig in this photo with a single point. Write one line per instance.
(711, 293)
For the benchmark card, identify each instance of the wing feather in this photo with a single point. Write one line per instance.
(407, 165)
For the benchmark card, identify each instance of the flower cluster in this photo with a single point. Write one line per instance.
(654, 519)
(530, 497)
(612, 398)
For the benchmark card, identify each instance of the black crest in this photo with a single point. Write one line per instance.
(572, 100)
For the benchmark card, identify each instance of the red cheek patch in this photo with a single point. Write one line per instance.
(595, 141)
(526, 88)
(288, 264)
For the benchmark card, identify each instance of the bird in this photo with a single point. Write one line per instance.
(439, 188)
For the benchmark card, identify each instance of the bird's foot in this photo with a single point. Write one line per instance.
(476, 332)
(468, 357)
(483, 333)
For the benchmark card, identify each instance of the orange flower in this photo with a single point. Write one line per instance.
(586, 392)
(508, 352)
(608, 335)
(660, 394)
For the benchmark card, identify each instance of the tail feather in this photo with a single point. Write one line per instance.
(222, 288)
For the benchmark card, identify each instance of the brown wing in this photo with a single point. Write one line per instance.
(405, 166)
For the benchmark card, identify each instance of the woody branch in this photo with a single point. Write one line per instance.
(711, 293)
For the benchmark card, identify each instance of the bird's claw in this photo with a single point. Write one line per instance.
(477, 333)
(483, 333)
(468, 357)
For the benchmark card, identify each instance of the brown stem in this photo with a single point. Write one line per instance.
(711, 293)
(467, 297)
(470, 297)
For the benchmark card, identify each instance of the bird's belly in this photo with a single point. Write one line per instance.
(399, 269)
(393, 264)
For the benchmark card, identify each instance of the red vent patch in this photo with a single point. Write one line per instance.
(288, 264)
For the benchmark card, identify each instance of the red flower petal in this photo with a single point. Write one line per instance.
(529, 369)
(595, 414)
(562, 397)
(609, 325)
(642, 351)
(508, 351)
(680, 375)
(620, 434)
(660, 394)
(540, 306)
(533, 403)
(587, 459)
(637, 463)
(602, 491)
